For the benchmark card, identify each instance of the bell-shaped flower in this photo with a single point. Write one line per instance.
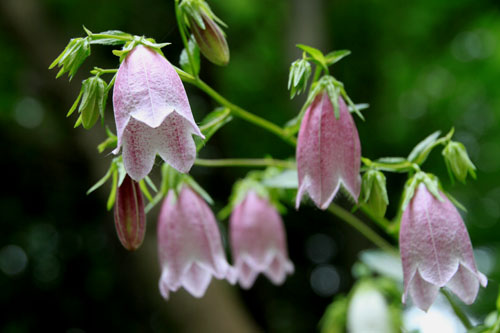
(130, 218)
(189, 244)
(328, 152)
(436, 251)
(258, 242)
(152, 114)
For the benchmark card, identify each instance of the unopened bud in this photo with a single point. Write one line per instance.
(375, 192)
(130, 218)
(457, 161)
(206, 31)
(93, 101)
(300, 71)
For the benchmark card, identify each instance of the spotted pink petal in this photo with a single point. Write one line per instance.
(189, 245)
(328, 153)
(258, 242)
(152, 114)
(436, 250)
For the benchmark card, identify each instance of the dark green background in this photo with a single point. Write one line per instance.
(421, 65)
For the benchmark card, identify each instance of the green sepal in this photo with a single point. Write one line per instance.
(422, 146)
(75, 53)
(430, 181)
(184, 58)
(112, 195)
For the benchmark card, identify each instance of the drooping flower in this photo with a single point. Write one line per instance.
(258, 242)
(189, 244)
(152, 114)
(328, 152)
(436, 251)
(130, 218)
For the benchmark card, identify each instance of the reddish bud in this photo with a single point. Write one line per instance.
(130, 218)
(210, 40)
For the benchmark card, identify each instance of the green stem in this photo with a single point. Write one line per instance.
(245, 162)
(381, 221)
(180, 24)
(458, 311)
(362, 228)
(236, 110)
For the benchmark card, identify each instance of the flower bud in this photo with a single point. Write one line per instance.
(93, 101)
(300, 71)
(375, 192)
(130, 218)
(207, 33)
(75, 53)
(457, 161)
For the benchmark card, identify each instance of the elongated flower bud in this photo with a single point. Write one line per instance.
(152, 114)
(130, 219)
(328, 152)
(210, 40)
(458, 161)
(436, 251)
(189, 244)
(258, 242)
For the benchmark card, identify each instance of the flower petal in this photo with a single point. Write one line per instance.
(196, 280)
(422, 292)
(175, 144)
(138, 149)
(464, 284)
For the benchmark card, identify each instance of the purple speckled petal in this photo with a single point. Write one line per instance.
(148, 91)
(175, 143)
(138, 149)
(189, 244)
(258, 241)
(328, 153)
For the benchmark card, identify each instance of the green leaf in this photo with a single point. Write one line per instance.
(195, 54)
(198, 189)
(287, 179)
(109, 40)
(211, 124)
(336, 56)
(316, 54)
(421, 147)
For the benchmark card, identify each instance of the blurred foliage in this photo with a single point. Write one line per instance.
(422, 66)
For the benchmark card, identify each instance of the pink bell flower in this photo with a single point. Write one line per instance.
(436, 251)
(152, 114)
(328, 153)
(258, 242)
(189, 244)
(130, 218)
